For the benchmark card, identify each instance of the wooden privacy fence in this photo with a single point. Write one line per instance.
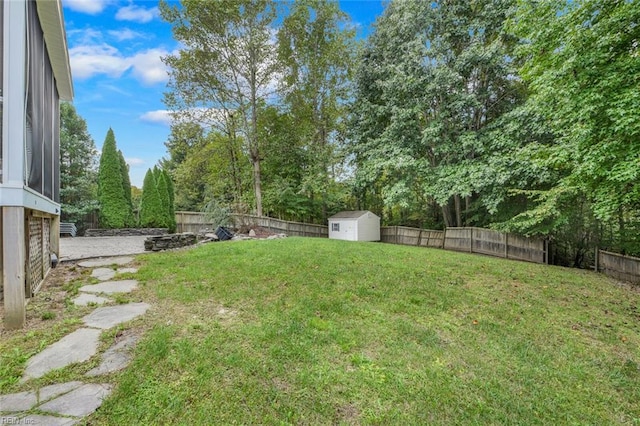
(197, 222)
(411, 236)
(192, 222)
(618, 266)
(472, 240)
(297, 229)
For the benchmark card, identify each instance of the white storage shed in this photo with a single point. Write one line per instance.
(361, 225)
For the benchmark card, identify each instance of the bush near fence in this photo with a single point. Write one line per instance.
(472, 240)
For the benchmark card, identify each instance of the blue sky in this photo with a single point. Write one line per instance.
(115, 48)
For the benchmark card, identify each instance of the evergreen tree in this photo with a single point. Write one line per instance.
(114, 208)
(78, 171)
(151, 204)
(163, 193)
(172, 211)
(126, 186)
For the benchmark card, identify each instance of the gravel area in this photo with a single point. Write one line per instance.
(89, 247)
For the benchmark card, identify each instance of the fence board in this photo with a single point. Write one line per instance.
(626, 268)
(489, 242)
(458, 239)
(432, 238)
(529, 249)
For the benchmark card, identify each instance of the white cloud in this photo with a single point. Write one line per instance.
(91, 7)
(85, 36)
(134, 161)
(148, 66)
(160, 116)
(90, 60)
(124, 34)
(136, 14)
(87, 61)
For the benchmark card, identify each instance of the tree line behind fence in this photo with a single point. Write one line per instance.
(469, 239)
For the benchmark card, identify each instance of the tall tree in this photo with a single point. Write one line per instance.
(581, 61)
(316, 45)
(151, 212)
(171, 208)
(183, 138)
(215, 167)
(163, 193)
(78, 166)
(115, 210)
(226, 69)
(434, 76)
(126, 187)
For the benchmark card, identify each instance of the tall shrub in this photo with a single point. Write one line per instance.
(172, 210)
(163, 193)
(151, 204)
(126, 186)
(115, 211)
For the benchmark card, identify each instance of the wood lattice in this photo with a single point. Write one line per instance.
(38, 257)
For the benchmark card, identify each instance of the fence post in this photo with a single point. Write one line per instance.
(506, 246)
(471, 240)
(597, 260)
(444, 237)
(545, 256)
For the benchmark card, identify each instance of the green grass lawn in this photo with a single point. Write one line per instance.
(316, 331)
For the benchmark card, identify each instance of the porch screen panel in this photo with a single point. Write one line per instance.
(47, 130)
(1, 77)
(35, 99)
(56, 147)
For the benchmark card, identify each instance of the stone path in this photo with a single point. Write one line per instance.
(67, 403)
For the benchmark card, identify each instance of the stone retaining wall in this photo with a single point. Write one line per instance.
(170, 241)
(124, 232)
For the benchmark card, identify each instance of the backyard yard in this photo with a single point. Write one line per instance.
(318, 331)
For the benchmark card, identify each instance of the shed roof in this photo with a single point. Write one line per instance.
(52, 23)
(355, 214)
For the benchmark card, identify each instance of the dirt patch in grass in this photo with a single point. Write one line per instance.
(347, 414)
(48, 305)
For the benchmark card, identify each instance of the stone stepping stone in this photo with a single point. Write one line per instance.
(103, 274)
(110, 316)
(78, 346)
(79, 402)
(15, 402)
(127, 270)
(46, 421)
(116, 357)
(24, 401)
(51, 391)
(85, 299)
(110, 287)
(108, 261)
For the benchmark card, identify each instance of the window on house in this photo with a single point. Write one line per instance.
(335, 227)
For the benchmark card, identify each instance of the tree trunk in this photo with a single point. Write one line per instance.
(257, 185)
(445, 216)
(456, 200)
